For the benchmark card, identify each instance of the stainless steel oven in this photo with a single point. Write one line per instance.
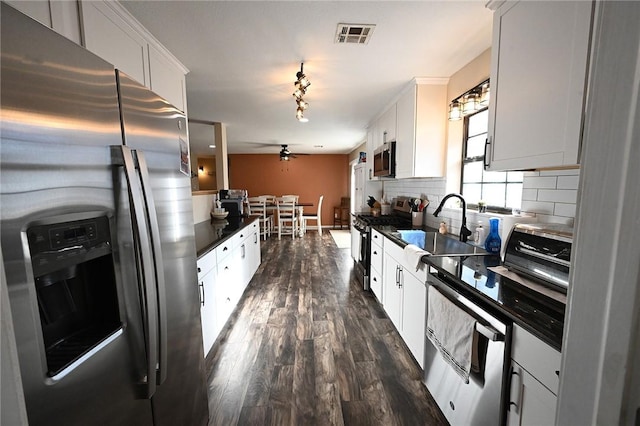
(362, 261)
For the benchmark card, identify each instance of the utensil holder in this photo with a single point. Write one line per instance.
(416, 218)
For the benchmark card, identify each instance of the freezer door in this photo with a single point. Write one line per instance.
(156, 132)
(60, 114)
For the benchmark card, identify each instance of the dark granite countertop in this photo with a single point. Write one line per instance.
(470, 276)
(211, 233)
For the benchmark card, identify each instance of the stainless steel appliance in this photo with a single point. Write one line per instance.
(542, 251)
(478, 402)
(528, 287)
(363, 222)
(97, 238)
(384, 160)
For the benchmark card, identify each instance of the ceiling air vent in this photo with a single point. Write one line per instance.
(354, 33)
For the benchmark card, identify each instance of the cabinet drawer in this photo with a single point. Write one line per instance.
(377, 238)
(225, 249)
(539, 359)
(376, 257)
(375, 282)
(206, 263)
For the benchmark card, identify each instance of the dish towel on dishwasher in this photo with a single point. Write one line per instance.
(413, 254)
(451, 330)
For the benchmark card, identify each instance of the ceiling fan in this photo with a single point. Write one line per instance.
(285, 154)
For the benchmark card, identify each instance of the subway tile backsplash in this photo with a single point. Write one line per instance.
(548, 195)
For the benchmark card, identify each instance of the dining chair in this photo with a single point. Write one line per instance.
(317, 216)
(258, 206)
(287, 216)
(297, 197)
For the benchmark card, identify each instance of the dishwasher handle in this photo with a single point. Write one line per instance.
(482, 326)
(489, 332)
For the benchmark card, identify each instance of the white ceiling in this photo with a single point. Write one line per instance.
(243, 57)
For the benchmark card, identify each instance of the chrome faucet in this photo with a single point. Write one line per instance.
(464, 231)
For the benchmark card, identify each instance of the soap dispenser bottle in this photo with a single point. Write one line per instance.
(493, 242)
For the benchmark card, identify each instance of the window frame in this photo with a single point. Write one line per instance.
(479, 158)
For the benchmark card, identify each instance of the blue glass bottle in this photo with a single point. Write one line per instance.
(493, 242)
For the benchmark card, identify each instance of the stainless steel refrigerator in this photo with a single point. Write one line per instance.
(97, 238)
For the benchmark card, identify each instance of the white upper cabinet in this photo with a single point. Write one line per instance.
(61, 16)
(109, 36)
(113, 34)
(387, 126)
(167, 79)
(421, 129)
(538, 82)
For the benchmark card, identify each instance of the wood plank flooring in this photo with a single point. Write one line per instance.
(307, 346)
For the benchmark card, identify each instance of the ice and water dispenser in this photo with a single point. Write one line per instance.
(75, 284)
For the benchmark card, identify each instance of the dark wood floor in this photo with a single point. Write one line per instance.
(307, 346)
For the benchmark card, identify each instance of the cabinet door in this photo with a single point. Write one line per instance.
(538, 83)
(107, 35)
(530, 402)
(208, 305)
(392, 290)
(387, 124)
(166, 79)
(414, 300)
(406, 135)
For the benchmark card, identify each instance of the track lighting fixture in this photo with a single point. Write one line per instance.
(301, 84)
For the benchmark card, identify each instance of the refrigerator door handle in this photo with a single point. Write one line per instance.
(122, 156)
(158, 262)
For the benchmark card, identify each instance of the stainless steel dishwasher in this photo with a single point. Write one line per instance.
(479, 402)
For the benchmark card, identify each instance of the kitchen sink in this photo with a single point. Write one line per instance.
(439, 245)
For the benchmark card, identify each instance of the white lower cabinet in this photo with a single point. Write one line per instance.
(535, 376)
(375, 274)
(207, 274)
(405, 298)
(223, 275)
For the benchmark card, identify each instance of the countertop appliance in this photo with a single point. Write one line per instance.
(97, 238)
(541, 251)
(400, 218)
(234, 206)
(384, 160)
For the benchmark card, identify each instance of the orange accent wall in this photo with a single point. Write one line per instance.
(306, 175)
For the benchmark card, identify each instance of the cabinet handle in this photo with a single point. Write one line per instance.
(375, 252)
(241, 235)
(199, 270)
(558, 373)
(244, 250)
(255, 238)
(516, 404)
(375, 279)
(400, 281)
(397, 275)
(202, 292)
(225, 248)
(485, 162)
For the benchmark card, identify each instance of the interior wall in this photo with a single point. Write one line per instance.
(464, 79)
(308, 176)
(207, 177)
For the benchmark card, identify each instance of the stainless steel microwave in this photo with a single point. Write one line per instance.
(384, 160)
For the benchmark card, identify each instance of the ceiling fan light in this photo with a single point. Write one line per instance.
(302, 104)
(298, 93)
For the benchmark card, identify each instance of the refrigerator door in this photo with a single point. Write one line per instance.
(60, 116)
(156, 132)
